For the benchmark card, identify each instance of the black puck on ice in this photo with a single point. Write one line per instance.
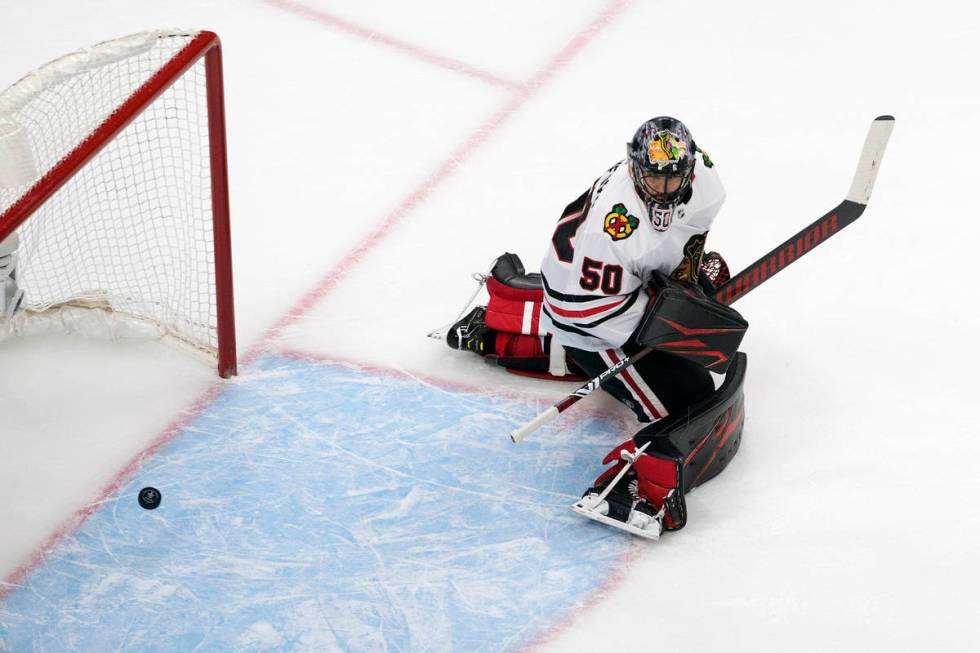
(150, 498)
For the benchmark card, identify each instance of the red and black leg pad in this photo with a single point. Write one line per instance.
(704, 440)
(515, 298)
(685, 450)
(684, 322)
(514, 312)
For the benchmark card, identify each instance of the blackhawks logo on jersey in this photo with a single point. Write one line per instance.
(664, 148)
(619, 224)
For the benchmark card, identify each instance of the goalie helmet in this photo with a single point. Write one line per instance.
(661, 158)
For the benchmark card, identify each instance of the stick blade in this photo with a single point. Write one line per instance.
(870, 161)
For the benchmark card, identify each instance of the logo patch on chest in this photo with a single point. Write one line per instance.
(619, 224)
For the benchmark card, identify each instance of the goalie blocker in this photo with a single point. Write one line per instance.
(684, 322)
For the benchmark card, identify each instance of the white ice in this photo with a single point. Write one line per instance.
(850, 519)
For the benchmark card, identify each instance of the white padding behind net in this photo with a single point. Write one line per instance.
(131, 233)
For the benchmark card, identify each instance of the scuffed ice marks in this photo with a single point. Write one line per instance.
(260, 636)
(317, 508)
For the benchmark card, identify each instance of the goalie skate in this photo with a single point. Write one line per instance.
(638, 522)
(622, 509)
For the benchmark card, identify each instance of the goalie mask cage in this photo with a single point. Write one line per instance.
(113, 176)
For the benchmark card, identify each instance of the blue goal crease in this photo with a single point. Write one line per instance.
(315, 507)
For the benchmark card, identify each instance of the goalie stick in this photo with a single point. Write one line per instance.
(767, 266)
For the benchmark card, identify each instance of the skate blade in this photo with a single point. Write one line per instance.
(440, 333)
(649, 534)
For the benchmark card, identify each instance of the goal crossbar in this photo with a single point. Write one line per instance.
(204, 45)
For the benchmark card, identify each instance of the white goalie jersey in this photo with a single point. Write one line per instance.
(607, 245)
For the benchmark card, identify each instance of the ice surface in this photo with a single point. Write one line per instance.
(317, 504)
(848, 521)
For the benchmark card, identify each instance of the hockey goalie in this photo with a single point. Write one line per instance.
(625, 271)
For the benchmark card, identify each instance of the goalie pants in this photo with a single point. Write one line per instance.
(657, 385)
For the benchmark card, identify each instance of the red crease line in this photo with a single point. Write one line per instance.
(451, 165)
(73, 523)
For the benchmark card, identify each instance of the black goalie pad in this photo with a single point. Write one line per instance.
(705, 439)
(686, 323)
(509, 270)
(699, 444)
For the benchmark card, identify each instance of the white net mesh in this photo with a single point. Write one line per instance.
(131, 233)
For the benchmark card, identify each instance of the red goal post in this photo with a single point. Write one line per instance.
(113, 175)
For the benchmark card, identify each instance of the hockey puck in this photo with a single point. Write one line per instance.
(150, 498)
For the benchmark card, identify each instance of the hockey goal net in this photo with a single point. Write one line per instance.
(113, 184)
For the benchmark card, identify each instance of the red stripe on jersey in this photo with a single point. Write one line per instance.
(571, 216)
(584, 313)
(636, 388)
